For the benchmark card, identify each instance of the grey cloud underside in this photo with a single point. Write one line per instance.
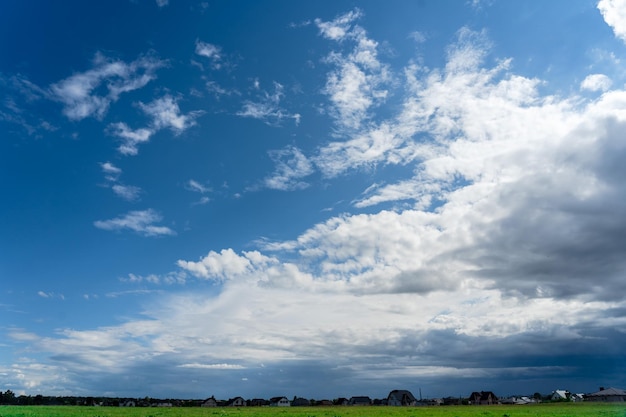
(440, 361)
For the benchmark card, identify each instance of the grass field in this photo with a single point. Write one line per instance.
(547, 410)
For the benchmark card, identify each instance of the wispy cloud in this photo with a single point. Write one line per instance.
(141, 221)
(197, 187)
(291, 166)
(194, 185)
(79, 92)
(111, 170)
(162, 3)
(164, 112)
(44, 294)
(127, 192)
(226, 366)
(130, 138)
(267, 108)
(176, 277)
(212, 52)
(112, 175)
(18, 105)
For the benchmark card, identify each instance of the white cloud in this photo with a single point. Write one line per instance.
(515, 235)
(165, 113)
(614, 14)
(162, 3)
(112, 173)
(268, 108)
(224, 265)
(341, 27)
(227, 366)
(210, 51)
(194, 185)
(79, 92)
(141, 222)
(355, 86)
(291, 167)
(127, 192)
(596, 82)
(130, 138)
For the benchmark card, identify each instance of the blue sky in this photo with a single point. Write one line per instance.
(312, 198)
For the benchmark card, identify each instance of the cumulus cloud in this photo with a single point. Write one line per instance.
(614, 13)
(356, 85)
(513, 232)
(596, 82)
(90, 93)
(268, 108)
(140, 221)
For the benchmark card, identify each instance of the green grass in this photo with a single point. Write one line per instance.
(538, 410)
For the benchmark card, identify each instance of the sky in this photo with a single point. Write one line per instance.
(316, 199)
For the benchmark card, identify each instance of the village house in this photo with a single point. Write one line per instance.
(236, 402)
(560, 395)
(360, 400)
(210, 402)
(609, 395)
(483, 398)
(401, 397)
(279, 402)
(300, 402)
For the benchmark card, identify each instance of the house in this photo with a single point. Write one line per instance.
(560, 395)
(258, 402)
(324, 403)
(300, 402)
(279, 402)
(577, 398)
(483, 398)
(236, 402)
(210, 402)
(401, 397)
(362, 400)
(609, 395)
(341, 401)
(518, 400)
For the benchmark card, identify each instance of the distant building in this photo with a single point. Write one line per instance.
(362, 400)
(483, 398)
(210, 402)
(300, 402)
(560, 395)
(609, 395)
(236, 402)
(279, 402)
(401, 397)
